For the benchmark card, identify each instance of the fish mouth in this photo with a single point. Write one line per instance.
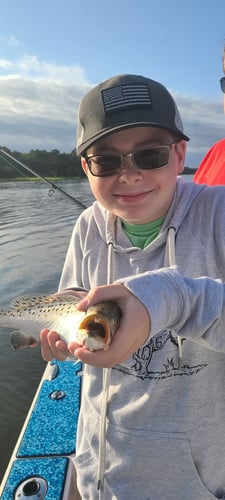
(96, 326)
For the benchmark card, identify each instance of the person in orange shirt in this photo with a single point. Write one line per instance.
(211, 170)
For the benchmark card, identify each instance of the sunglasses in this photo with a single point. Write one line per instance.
(104, 165)
(222, 84)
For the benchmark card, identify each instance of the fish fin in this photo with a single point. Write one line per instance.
(35, 300)
(20, 340)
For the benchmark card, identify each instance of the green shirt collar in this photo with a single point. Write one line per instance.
(141, 235)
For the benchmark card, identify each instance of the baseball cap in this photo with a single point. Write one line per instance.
(123, 102)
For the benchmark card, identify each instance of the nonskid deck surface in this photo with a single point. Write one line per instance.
(41, 466)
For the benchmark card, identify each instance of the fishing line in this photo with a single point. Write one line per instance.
(53, 188)
(5, 160)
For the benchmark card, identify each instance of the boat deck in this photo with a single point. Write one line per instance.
(42, 463)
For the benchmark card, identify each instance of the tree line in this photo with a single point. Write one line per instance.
(46, 164)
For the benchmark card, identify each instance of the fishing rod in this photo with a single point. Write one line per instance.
(53, 186)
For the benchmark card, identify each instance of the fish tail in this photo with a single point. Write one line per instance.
(21, 341)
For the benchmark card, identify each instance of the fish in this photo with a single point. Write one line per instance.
(28, 315)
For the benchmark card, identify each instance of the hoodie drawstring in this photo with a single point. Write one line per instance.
(105, 391)
(172, 262)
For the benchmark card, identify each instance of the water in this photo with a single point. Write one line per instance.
(35, 231)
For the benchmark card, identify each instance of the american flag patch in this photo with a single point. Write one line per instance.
(126, 96)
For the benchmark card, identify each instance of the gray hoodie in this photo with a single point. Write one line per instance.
(165, 424)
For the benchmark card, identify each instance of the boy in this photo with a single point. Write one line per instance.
(151, 423)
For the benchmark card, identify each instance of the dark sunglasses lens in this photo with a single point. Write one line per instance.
(104, 165)
(222, 84)
(152, 158)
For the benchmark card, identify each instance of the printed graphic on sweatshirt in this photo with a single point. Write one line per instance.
(143, 359)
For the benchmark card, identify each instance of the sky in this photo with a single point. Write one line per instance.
(54, 51)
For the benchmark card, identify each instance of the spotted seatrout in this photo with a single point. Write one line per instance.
(29, 315)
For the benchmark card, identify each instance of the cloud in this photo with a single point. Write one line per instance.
(39, 102)
(204, 123)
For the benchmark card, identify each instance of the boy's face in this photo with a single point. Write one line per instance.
(135, 195)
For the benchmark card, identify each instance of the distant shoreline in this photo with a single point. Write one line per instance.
(37, 179)
(187, 171)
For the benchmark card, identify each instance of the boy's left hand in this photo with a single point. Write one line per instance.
(132, 333)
